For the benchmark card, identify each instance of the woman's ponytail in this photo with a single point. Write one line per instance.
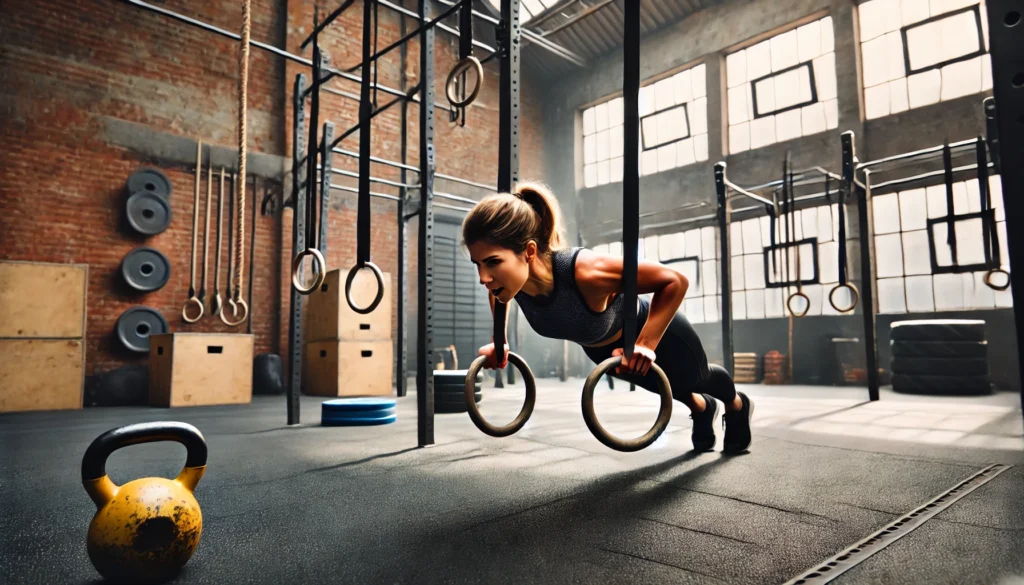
(544, 203)
(511, 220)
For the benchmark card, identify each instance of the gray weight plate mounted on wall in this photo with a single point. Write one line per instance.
(148, 213)
(137, 324)
(149, 179)
(145, 269)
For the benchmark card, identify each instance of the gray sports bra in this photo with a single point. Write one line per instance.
(565, 314)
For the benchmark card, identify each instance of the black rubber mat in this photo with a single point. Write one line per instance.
(941, 385)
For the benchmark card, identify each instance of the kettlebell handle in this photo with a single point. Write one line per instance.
(94, 474)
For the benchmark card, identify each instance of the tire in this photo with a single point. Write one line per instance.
(938, 330)
(940, 366)
(939, 349)
(456, 399)
(942, 385)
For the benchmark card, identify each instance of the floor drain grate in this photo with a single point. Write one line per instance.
(859, 552)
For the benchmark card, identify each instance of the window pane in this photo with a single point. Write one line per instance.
(737, 105)
(677, 123)
(917, 257)
(754, 266)
(876, 101)
(809, 41)
(995, 190)
(924, 88)
(646, 100)
(787, 125)
(815, 296)
(681, 86)
(664, 96)
(812, 119)
(791, 88)
(889, 255)
(649, 162)
(709, 276)
(686, 154)
(970, 243)
(872, 18)
(603, 147)
(693, 244)
(919, 294)
(601, 117)
(590, 149)
(973, 196)
(590, 176)
(739, 305)
(615, 141)
(875, 62)
(832, 113)
(891, 296)
(650, 129)
(755, 304)
(759, 60)
(588, 121)
(670, 246)
(603, 172)
(616, 170)
(736, 68)
(887, 214)
(784, 50)
(773, 302)
(694, 309)
(898, 99)
(913, 210)
(894, 50)
(828, 42)
(762, 132)
(913, 11)
(709, 243)
(739, 137)
(949, 292)
(765, 95)
(960, 79)
(667, 157)
(959, 35)
(700, 147)
(751, 241)
(698, 112)
(615, 113)
(828, 262)
(825, 222)
(699, 81)
(825, 76)
(736, 239)
(936, 195)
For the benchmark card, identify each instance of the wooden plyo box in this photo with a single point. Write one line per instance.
(328, 316)
(200, 369)
(42, 300)
(41, 374)
(349, 368)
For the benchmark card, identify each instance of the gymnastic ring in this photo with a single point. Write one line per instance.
(988, 279)
(184, 309)
(590, 417)
(245, 314)
(528, 403)
(831, 298)
(318, 270)
(789, 303)
(380, 287)
(461, 67)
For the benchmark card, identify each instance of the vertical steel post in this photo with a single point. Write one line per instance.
(298, 245)
(402, 351)
(325, 183)
(425, 334)
(508, 40)
(724, 267)
(1006, 46)
(866, 244)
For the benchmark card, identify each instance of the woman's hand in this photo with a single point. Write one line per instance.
(492, 363)
(639, 364)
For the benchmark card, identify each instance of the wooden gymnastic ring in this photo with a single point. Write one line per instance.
(789, 304)
(380, 287)
(831, 297)
(528, 403)
(590, 417)
(988, 279)
(245, 314)
(319, 270)
(184, 309)
(462, 66)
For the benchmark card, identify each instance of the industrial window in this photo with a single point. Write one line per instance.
(527, 8)
(921, 52)
(783, 88)
(694, 253)
(906, 283)
(673, 124)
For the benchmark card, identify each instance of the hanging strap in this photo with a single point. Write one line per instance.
(947, 167)
(466, 29)
(993, 256)
(842, 237)
(312, 232)
(365, 136)
(630, 172)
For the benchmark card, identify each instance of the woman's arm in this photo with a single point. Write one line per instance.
(601, 275)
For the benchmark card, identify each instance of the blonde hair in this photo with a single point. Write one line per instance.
(511, 220)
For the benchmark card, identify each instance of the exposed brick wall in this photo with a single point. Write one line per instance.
(62, 182)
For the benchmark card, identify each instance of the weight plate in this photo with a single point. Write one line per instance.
(944, 385)
(149, 179)
(357, 404)
(135, 325)
(369, 419)
(939, 366)
(148, 213)
(356, 414)
(940, 349)
(445, 389)
(145, 269)
(938, 330)
(453, 399)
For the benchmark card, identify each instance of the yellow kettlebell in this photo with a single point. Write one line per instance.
(146, 530)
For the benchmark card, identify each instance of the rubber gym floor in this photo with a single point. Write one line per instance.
(313, 504)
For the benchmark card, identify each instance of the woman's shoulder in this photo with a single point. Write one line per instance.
(596, 269)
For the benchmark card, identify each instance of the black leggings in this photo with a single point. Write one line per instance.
(681, 356)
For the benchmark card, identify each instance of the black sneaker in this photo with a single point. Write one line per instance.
(737, 426)
(703, 436)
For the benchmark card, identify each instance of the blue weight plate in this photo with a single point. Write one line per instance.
(354, 414)
(356, 422)
(358, 404)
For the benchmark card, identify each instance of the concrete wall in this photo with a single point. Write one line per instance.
(90, 92)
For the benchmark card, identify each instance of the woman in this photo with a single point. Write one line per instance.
(516, 242)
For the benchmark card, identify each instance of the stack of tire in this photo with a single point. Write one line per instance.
(449, 391)
(940, 357)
